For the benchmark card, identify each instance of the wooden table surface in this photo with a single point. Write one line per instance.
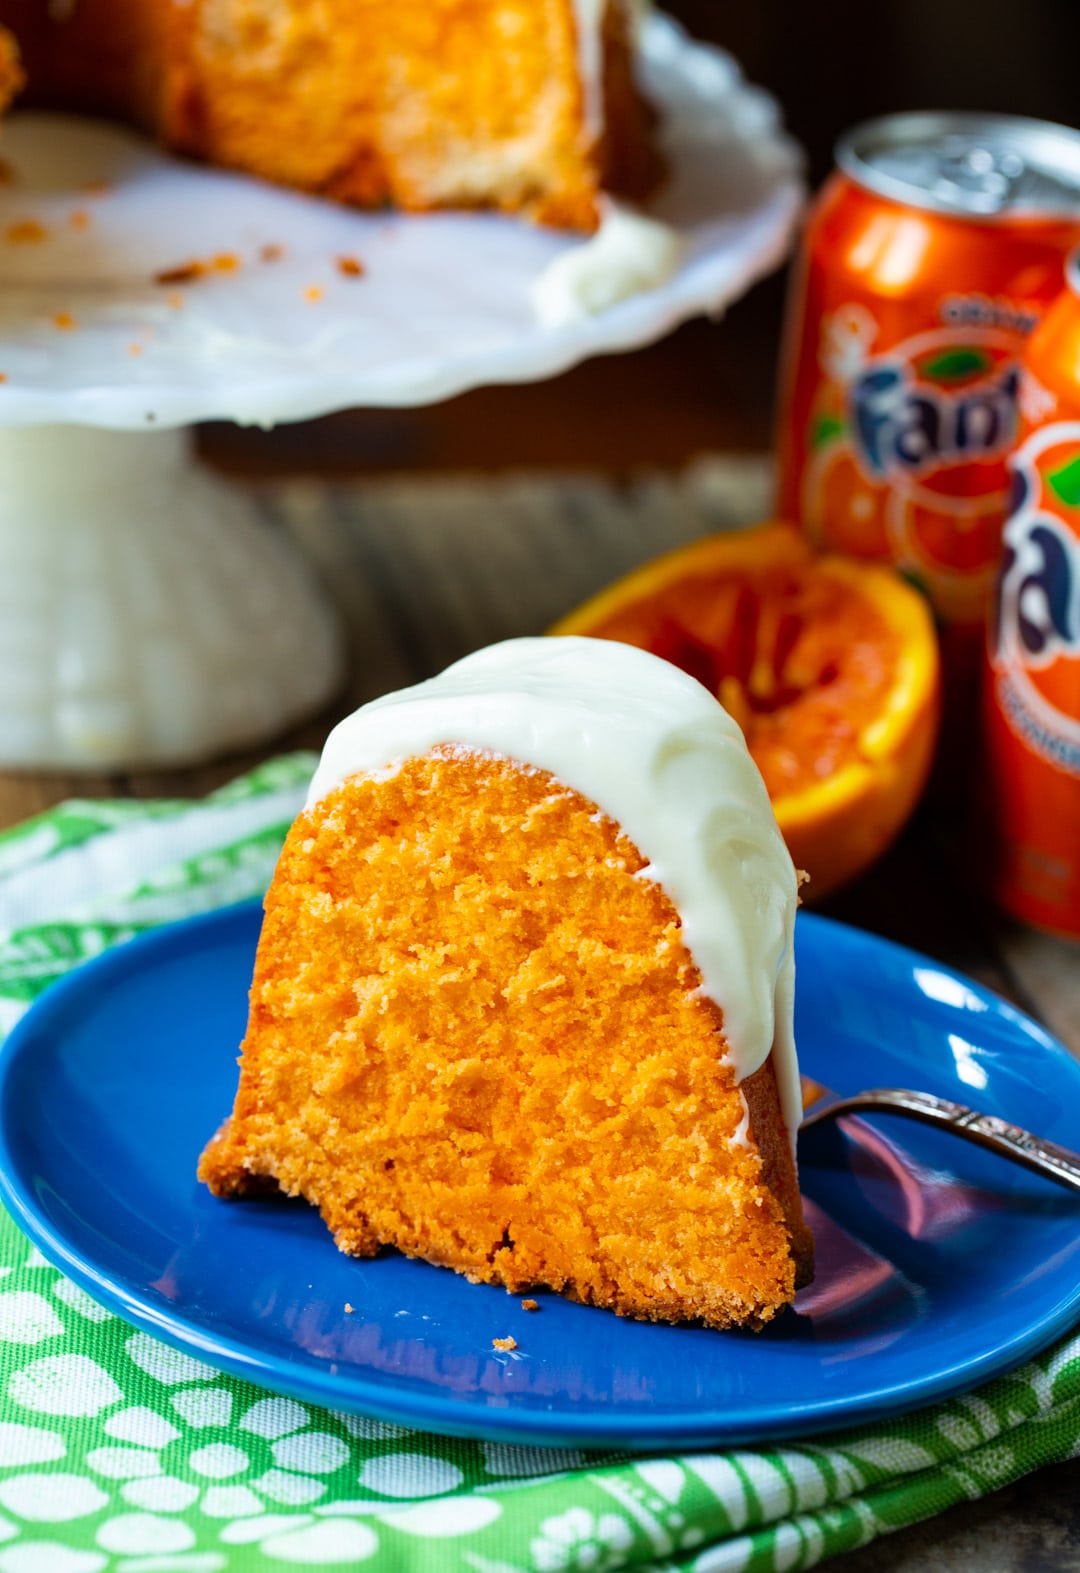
(426, 566)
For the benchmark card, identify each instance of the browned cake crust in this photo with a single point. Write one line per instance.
(475, 1034)
(418, 103)
(778, 1172)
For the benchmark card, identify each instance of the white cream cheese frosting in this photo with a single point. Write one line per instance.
(629, 253)
(589, 25)
(658, 754)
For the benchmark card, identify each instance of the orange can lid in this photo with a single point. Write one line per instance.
(971, 166)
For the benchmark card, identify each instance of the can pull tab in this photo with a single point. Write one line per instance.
(979, 178)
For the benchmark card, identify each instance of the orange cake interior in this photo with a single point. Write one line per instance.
(418, 103)
(476, 1034)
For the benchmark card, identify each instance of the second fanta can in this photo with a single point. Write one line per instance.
(928, 260)
(1029, 783)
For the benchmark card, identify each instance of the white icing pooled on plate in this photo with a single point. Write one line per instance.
(657, 753)
(629, 253)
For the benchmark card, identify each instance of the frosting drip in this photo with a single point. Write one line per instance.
(589, 25)
(628, 254)
(655, 751)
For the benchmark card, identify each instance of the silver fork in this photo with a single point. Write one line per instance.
(987, 1130)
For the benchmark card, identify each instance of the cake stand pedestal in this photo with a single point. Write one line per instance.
(149, 615)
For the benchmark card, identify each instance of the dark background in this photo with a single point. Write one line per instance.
(830, 63)
(834, 62)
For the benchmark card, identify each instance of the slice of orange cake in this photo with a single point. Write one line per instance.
(523, 997)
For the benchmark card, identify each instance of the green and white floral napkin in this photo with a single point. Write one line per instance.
(119, 1455)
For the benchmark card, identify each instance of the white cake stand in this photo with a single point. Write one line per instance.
(147, 614)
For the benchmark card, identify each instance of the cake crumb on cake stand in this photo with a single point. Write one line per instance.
(151, 616)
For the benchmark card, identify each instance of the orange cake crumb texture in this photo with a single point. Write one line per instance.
(474, 1035)
(801, 660)
(463, 103)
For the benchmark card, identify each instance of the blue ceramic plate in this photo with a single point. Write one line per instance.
(938, 1265)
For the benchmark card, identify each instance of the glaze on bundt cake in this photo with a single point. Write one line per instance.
(524, 105)
(523, 998)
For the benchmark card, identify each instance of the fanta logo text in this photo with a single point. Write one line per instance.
(1038, 601)
(980, 311)
(906, 428)
(1061, 751)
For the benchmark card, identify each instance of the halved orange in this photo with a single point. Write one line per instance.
(829, 665)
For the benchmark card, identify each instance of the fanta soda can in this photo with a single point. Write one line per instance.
(1030, 782)
(929, 258)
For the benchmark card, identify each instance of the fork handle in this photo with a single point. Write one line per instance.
(1008, 1141)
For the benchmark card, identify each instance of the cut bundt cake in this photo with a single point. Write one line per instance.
(525, 105)
(522, 1003)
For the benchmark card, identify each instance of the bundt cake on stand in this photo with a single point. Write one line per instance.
(523, 105)
(141, 293)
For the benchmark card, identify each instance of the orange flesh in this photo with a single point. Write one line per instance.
(801, 660)
(475, 1035)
